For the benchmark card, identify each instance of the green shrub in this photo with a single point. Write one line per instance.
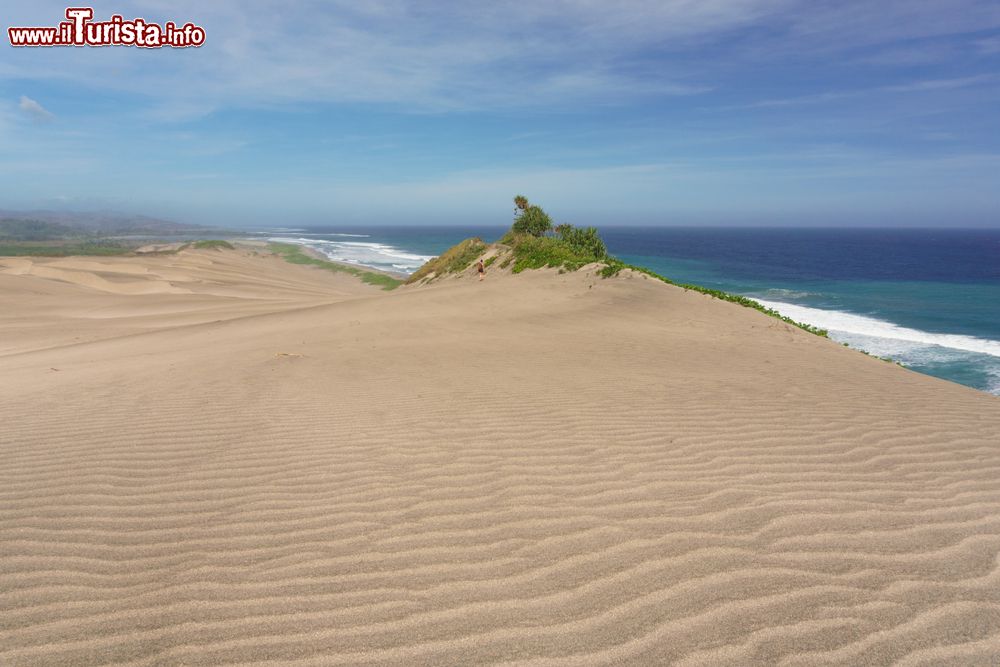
(533, 220)
(569, 249)
(212, 245)
(531, 252)
(584, 241)
(611, 269)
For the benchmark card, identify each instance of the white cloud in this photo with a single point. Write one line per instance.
(453, 54)
(853, 24)
(421, 56)
(835, 96)
(34, 109)
(988, 46)
(941, 84)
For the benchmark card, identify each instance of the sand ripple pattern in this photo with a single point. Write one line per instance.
(542, 470)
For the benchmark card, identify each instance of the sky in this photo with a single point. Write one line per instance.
(676, 112)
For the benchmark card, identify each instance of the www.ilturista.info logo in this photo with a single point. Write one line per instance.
(80, 30)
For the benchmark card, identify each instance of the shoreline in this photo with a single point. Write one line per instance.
(316, 254)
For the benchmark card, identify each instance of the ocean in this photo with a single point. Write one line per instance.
(927, 298)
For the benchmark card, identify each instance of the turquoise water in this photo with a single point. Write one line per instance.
(946, 330)
(929, 299)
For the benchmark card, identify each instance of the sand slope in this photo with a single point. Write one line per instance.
(537, 470)
(54, 301)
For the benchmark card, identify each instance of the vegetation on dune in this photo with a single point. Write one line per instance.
(529, 219)
(531, 252)
(530, 244)
(533, 243)
(454, 260)
(583, 241)
(875, 356)
(614, 266)
(532, 221)
(295, 255)
(212, 245)
(570, 248)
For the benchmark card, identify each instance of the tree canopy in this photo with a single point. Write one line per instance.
(532, 219)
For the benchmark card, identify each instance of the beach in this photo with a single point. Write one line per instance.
(217, 457)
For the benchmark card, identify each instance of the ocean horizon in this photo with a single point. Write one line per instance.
(928, 298)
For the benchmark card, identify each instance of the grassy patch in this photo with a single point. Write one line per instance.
(61, 249)
(489, 262)
(455, 259)
(536, 252)
(875, 356)
(294, 254)
(212, 245)
(614, 266)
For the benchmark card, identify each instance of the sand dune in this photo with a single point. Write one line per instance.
(283, 466)
(54, 301)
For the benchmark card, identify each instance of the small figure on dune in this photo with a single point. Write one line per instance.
(482, 269)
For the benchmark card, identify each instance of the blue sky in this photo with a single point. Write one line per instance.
(386, 112)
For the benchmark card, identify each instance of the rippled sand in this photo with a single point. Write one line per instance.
(219, 458)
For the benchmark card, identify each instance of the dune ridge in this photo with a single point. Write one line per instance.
(284, 466)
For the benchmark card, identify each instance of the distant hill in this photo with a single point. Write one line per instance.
(35, 230)
(55, 225)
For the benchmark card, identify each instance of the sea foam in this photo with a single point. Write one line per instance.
(364, 253)
(891, 335)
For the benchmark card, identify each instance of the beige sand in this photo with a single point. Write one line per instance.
(248, 462)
